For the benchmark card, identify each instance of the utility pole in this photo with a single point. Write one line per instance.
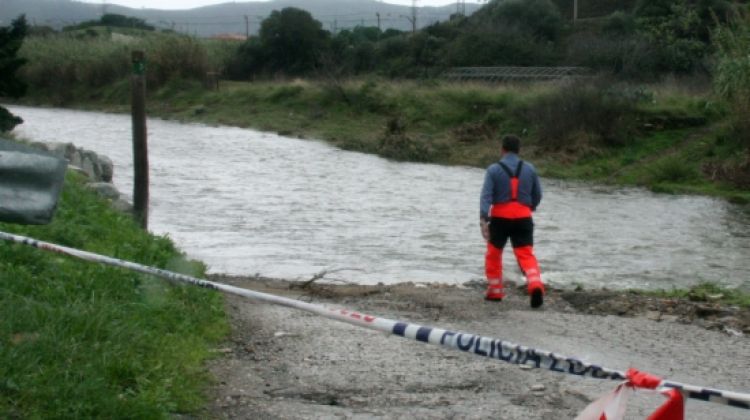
(140, 143)
(247, 27)
(413, 16)
(575, 10)
(378, 15)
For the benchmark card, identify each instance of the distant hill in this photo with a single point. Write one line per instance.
(231, 17)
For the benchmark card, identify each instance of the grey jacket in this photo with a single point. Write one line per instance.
(496, 187)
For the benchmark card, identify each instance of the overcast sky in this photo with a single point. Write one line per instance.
(188, 4)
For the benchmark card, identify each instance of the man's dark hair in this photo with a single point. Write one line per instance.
(511, 143)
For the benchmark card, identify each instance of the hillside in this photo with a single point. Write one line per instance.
(593, 8)
(230, 17)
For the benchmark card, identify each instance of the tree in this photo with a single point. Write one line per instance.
(540, 18)
(113, 20)
(679, 30)
(11, 40)
(292, 41)
(732, 72)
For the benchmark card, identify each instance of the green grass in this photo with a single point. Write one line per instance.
(705, 292)
(82, 340)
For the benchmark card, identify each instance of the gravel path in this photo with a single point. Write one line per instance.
(289, 364)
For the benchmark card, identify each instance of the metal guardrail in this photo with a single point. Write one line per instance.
(503, 74)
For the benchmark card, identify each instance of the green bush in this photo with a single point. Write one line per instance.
(732, 72)
(678, 30)
(397, 144)
(629, 57)
(592, 109)
(539, 18)
(674, 170)
(370, 98)
(406, 148)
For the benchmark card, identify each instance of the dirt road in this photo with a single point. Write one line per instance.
(289, 364)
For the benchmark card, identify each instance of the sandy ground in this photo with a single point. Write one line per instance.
(283, 363)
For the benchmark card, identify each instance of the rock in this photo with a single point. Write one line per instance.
(106, 168)
(669, 318)
(122, 206)
(708, 310)
(733, 332)
(653, 315)
(61, 150)
(620, 308)
(538, 387)
(104, 189)
(90, 164)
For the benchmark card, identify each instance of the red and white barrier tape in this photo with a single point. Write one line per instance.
(482, 346)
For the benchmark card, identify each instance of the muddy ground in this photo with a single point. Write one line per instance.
(283, 363)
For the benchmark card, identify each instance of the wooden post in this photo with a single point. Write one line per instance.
(140, 144)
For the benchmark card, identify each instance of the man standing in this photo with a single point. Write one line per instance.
(511, 191)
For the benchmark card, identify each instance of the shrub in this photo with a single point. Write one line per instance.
(630, 57)
(583, 109)
(175, 57)
(248, 61)
(8, 121)
(677, 30)
(674, 170)
(540, 18)
(732, 72)
(397, 144)
(619, 24)
(508, 32)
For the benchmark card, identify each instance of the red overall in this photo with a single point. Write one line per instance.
(517, 217)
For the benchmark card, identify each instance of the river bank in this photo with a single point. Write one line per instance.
(670, 137)
(283, 363)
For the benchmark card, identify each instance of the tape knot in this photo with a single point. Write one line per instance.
(640, 379)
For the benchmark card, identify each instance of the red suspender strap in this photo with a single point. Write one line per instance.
(513, 179)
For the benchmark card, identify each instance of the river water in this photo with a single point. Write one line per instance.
(247, 202)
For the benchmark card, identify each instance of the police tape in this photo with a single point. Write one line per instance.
(471, 343)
